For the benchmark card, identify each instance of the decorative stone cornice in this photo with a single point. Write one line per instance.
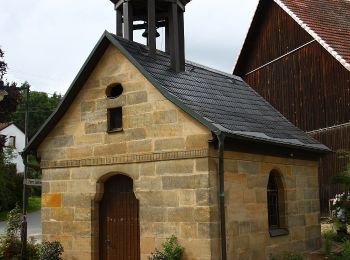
(122, 159)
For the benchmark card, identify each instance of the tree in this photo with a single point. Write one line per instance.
(11, 100)
(41, 107)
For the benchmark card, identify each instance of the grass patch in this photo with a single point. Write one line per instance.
(34, 204)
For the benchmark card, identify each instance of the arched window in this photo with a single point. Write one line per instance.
(276, 205)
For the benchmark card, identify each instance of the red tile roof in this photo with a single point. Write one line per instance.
(328, 21)
(4, 125)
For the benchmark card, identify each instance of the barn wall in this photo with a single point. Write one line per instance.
(337, 139)
(309, 87)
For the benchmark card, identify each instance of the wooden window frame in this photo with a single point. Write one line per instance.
(112, 129)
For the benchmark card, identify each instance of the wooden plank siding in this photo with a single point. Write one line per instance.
(309, 86)
(337, 138)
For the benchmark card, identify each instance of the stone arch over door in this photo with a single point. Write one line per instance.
(119, 224)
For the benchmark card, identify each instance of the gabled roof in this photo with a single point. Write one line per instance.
(327, 21)
(222, 102)
(5, 125)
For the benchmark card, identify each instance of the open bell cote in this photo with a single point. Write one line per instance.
(149, 15)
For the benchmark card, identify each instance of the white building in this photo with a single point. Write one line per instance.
(15, 138)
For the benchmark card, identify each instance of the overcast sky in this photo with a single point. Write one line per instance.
(47, 41)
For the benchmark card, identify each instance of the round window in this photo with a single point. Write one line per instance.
(114, 91)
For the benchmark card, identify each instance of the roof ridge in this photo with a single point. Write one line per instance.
(189, 62)
(323, 43)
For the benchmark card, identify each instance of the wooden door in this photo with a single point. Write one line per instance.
(119, 221)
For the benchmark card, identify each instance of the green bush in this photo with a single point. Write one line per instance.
(50, 250)
(171, 250)
(329, 236)
(10, 243)
(287, 256)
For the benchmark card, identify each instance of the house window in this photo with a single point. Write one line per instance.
(12, 141)
(114, 91)
(115, 122)
(276, 205)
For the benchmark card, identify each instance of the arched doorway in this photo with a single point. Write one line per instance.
(119, 220)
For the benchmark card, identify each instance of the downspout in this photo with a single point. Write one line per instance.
(221, 139)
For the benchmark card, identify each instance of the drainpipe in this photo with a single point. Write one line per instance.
(221, 139)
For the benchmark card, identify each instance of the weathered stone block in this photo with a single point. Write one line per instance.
(208, 230)
(158, 198)
(93, 128)
(298, 220)
(176, 166)
(51, 200)
(248, 167)
(136, 97)
(58, 186)
(148, 169)
(187, 197)
(81, 186)
(139, 146)
(197, 142)
(148, 245)
(62, 214)
(188, 230)
(112, 103)
(152, 214)
(51, 228)
(82, 214)
(165, 117)
(88, 106)
(135, 134)
(185, 182)
(80, 152)
(166, 130)
(77, 228)
(137, 121)
(110, 149)
(79, 200)
(203, 214)
(149, 183)
(56, 174)
(180, 214)
(169, 144)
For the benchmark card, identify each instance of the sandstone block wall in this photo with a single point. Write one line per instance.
(246, 179)
(161, 148)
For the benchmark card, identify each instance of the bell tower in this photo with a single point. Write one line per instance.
(149, 15)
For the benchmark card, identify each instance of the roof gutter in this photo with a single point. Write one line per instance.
(221, 139)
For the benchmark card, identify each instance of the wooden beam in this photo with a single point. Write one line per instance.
(174, 37)
(118, 4)
(181, 41)
(167, 37)
(119, 29)
(128, 21)
(152, 27)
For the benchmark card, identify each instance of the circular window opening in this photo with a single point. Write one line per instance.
(114, 91)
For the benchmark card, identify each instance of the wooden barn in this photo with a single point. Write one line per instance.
(297, 56)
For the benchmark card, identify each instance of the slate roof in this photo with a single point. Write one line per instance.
(222, 102)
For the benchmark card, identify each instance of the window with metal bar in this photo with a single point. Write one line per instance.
(276, 205)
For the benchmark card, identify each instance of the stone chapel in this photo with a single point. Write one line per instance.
(146, 144)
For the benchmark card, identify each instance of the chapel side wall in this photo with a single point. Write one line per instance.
(246, 179)
(161, 148)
